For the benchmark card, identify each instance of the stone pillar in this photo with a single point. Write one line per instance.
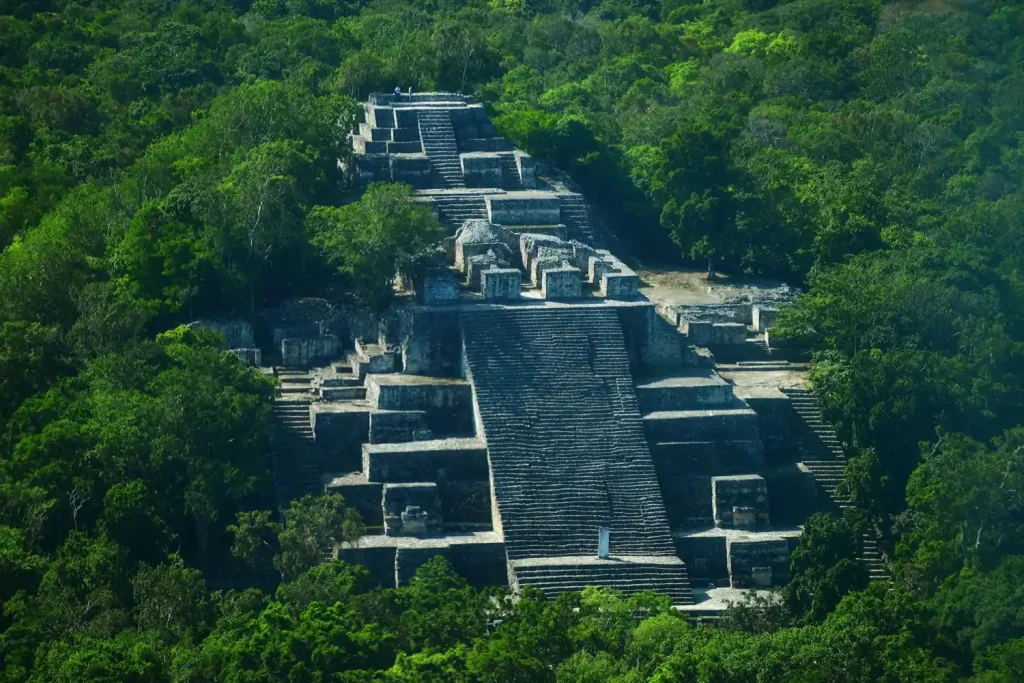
(501, 284)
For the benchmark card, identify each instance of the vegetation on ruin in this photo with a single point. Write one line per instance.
(162, 160)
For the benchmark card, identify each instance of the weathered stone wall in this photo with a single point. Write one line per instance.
(524, 209)
(304, 352)
(481, 169)
(740, 500)
(237, 333)
(758, 563)
(653, 345)
(776, 421)
(340, 433)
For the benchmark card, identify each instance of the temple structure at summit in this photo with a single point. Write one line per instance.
(524, 400)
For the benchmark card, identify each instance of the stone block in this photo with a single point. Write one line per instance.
(542, 263)
(701, 425)
(304, 352)
(413, 170)
(696, 389)
(621, 286)
(745, 493)
(381, 117)
(339, 431)
(764, 317)
(598, 267)
(530, 243)
(758, 562)
(407, 117)
(724, 334)
(404, 147)
(237, 334)
(368, 132)
(527, 168)
(485, 144)
(481, 169)
(524, 208)
(706, 556)
(436, 460)
(562, 283)
(251, 356)
(432, 344)
(465, 505)
(436, 286)
(362, 496)
(411, 509)
(448, 403)
(396, 426)
(481, 262)
(501, 284)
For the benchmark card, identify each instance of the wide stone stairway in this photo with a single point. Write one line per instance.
(438, 138)
(567, 451)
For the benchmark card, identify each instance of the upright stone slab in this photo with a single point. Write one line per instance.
(765, 318)
(562, 283)
(501, 284)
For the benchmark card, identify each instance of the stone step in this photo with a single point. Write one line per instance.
(431, 460)
(556, 575)
(343, 393)
(701, 425)
(683, 392)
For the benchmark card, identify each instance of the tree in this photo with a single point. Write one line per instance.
(312, 527)
(372, 239)
(824, 567)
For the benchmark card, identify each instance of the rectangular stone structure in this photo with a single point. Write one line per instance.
(411, 509)
(619, 286)
(501, 284)
(524, 208)
(758, 562)
(481, 169)
(562, 283)
(765, 318)
(740, 500)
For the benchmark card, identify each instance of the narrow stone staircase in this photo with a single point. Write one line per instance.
(510, 179)
(576, 217)
(823, 455)
(437, 136)
(295, 454)
(557, 575)
(455, 209)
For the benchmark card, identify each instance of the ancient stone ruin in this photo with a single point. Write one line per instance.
(526, 395)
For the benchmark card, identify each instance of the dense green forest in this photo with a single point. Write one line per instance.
(161, 160)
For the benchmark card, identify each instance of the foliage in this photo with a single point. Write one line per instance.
(372, 239)
(165, 161)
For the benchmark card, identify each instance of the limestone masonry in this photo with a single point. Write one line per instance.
(526, 395)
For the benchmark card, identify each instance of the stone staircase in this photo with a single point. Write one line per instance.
(566, 447)
(822, 454)
(295, 454)
(576, 217)
(454, 209)
(510, 179)
(437, 136)
(557, 575)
